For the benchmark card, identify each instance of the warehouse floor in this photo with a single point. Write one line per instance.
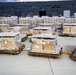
(23, 64)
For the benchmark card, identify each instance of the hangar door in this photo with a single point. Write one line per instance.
(66, 13)
(42, 13)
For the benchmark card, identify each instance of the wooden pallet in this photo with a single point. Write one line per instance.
(74, 55)
(69, 53)
(29, 34)
(66, 35)
(12, 52)
(46, 54)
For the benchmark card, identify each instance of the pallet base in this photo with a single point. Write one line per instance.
(74, 55)
(66, 35)
(29, 34)
(45, 54)
(23, 39)
(12, 52)
(69, 53)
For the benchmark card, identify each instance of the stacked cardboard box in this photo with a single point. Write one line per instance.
(73, 29)
(37, 45)
(4, 27)
(43, 45)
(66, 29)
(9, 41)
(9, 20)
(35, 32)
(69, 28)
(49, 45)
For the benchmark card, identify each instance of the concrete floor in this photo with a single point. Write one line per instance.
(23, 64)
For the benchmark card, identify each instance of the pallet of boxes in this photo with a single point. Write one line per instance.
(25, 28)
(41, 30)
(10, 43)
(69, 29)
(19, 30)
(45, 45)
(4, 27)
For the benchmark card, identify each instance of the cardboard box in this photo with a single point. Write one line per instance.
(37, 41)
(73, 29)
(37, 47)
(35, 32)
(66, 29)
(7, 44)
(47, 42)
(50, 48)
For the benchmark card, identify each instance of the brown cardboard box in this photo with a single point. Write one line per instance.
(37, 41)
(42, 32)
(66, 29)
(25, 31)
(35, 32)
(49, 48)
(7, 44)
(73, 29)
(37, 47)
(49, 42)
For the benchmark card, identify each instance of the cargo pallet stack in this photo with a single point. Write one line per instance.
(4, 27)
(69, 29)
(41, 30)
(45, 45)
(10, 43)
(26, 28)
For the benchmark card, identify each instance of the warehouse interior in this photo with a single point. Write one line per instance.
(37, 37)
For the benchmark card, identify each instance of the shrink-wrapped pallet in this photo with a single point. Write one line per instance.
(44, 43)
(39, 30)
(7, 44)
(9, 41)
(4, 27)
(9, 20)
(48, 48)
(21, 33)
(28, 20)
(25, 27)
(17, 29)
